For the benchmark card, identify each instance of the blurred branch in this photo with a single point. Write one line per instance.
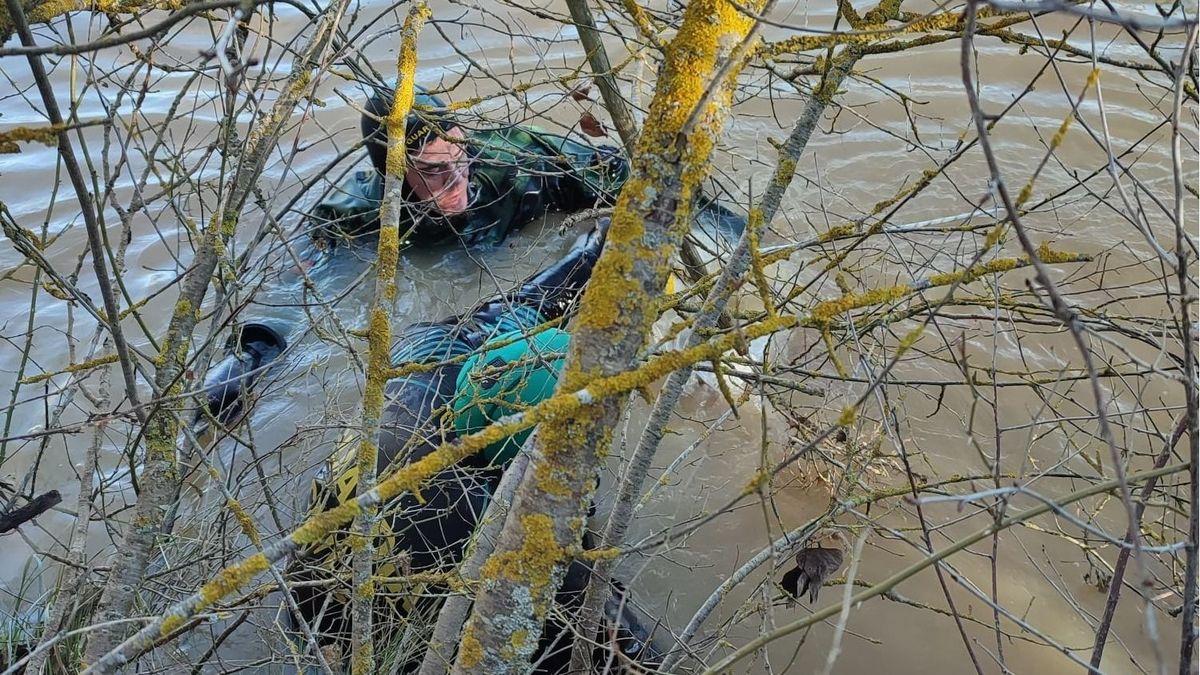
(13, 519)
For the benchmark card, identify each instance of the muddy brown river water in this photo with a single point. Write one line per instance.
(863, 152)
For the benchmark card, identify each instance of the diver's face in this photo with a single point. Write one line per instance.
(438, 173)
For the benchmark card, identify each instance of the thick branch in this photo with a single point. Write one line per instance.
(649, 221)
(380, 340)
(618, 108)
(639, 464)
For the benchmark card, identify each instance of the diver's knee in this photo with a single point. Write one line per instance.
(227, 382)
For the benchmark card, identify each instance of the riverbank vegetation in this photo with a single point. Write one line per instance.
(956, 341)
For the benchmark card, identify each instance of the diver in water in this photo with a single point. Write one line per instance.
(469, 185)
(500, 358)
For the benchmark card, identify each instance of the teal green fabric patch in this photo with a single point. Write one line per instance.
(511, 373)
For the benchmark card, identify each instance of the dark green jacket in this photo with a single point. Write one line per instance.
(517, 175)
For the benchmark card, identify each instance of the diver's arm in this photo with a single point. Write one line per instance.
(352, 210)
(551, 293)
(716, 221)
(578, 175)
(594, 175)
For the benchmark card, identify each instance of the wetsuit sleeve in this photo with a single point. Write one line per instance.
(582, 176)
(548, 295)
(717, 222)
(545, 296)
(588, 175)
(349, 209)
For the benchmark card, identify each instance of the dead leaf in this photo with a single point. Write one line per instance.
(592, 126)
(814, 566)
(582, 93)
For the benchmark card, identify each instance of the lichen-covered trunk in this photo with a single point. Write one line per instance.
(739, 261)
(379, 340)
(159, 478)
(649, 221)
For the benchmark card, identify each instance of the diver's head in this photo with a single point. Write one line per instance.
(437, 159)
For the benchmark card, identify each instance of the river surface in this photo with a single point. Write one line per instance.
(866, 151)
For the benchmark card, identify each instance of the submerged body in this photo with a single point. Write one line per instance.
(486, 184)
(484, 365)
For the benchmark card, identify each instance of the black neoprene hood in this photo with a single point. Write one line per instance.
(420, 126)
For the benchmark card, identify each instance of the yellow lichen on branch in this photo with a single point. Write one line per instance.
(406, 68)
(228, 581)
(871, 33)
(533, 562)
(73, 368)
(45, 12)
(379, 339)
(244, 521)
(47, 135)
(827, 310)
(1057, 139)
(160, 477)
(641, 19)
